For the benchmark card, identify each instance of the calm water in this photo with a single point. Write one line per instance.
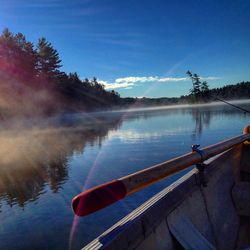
(43, 164)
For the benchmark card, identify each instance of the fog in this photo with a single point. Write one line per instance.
(35, 155)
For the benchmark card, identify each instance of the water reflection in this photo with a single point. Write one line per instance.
(35, 155)
(49, 161)
(31, 159)
(202, 119)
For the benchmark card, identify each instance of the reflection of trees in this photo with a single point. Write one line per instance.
(202, 120)
(36, 157)
(32, 158)
(202, 116)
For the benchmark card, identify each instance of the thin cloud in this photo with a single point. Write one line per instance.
(121, 42)
(171, 79)
(143, 79)
(110, 86)
(131, 81)
(116, 38)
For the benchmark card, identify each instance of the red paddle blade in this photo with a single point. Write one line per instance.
(98, 197)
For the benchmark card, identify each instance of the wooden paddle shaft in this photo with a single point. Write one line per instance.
(146, 177)
(101, 196)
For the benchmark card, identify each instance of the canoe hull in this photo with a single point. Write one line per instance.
(209, 213)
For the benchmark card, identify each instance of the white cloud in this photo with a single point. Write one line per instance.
(131, 81)
(172, 79)
(136, 79)
(115, 85)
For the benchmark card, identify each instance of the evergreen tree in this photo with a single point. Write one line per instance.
(99, 87)
(48, 60)
(21, 64)
(204, 87)
(74, 78)
(197, 85)
(205, 91)
(27, 57)
(196, 90)
(200, 89)
(17, 56)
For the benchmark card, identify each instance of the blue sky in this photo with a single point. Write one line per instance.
(141, 48)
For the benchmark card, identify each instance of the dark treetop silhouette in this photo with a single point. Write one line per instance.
(32, 84)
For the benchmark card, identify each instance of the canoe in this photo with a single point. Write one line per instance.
(207, 208)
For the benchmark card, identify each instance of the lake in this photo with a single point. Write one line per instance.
(45, 163)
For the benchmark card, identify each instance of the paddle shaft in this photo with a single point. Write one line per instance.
(101, 196)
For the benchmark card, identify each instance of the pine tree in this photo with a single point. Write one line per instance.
(48, 60)
(205, 91)
(27, 57)
(74, 78)
(200, 89)
(204, 87)
(196, 91)
(17, 56)
(197, 85)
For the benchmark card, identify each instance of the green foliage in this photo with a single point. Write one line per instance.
(31, 83)
(32, 76)
(233, 91)
(228, 92)
(48, 60)
(204, 87)
(18, 57)
(200, 90)
(202, 93)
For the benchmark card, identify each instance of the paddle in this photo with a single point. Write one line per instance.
(104, 195)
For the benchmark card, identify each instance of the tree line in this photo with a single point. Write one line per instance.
(199, 93)
(32, 82)
(200, 90)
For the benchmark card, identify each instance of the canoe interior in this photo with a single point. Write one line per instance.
(187, 215)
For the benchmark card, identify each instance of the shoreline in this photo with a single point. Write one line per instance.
(88, 118)
(175, 106)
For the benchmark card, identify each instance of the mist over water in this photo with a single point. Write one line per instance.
(44, 163)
